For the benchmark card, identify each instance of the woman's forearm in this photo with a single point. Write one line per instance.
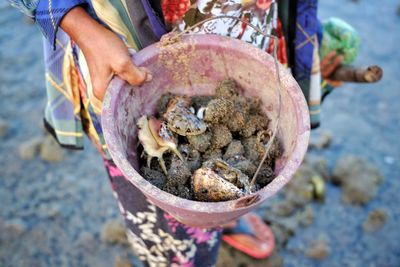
(81, 27)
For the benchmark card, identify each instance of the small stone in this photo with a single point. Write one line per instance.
(212, 154)
(178, 190)
(318, 250)
(219, 111)
(192, 156)
(113, 232)
(4, 125)
(375, 220)
(178, 175)
(265, 176)
(321, 141)
(226, 88)
(16, 226)
(283, 208)
(254, 151)
(53, 211)
(29, 149)
(245, 166)
(200, 142)
(50, 150)
(255, 122)
(121, 262)
(235, 148)
(306, 217)
(178, 172)
(358, 178)
(237, 121)
(221, 136)
(154, 177)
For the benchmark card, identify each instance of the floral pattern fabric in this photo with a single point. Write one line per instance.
(156, 237)
(256, 12)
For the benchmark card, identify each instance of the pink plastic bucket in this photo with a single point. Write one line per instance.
(194, 66)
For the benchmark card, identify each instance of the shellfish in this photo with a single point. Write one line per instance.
(209, 186)
(229, 173)
(181, 120)
(155, 140)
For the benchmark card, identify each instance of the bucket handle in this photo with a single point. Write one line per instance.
(278, 78)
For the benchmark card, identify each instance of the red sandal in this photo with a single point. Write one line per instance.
(251, 236)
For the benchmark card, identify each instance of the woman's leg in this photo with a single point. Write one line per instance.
(156, 237)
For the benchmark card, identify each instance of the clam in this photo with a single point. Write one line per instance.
(209, 186)
(181, 119)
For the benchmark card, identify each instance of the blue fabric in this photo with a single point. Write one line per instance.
(49, 14)
(320, 34)
(307, 31)
(306, 27)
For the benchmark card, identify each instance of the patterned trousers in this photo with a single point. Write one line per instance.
(156, 237)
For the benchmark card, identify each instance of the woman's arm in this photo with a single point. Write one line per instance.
(105, 53)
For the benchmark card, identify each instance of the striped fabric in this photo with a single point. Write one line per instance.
(70, 110)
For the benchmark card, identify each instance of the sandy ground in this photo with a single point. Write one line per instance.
(52, 214)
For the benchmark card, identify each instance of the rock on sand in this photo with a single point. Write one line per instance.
(375, 220)
(114, 232)
(50, 150)
(321, 141)
(358, 178)
(30, 148)
(318, 250)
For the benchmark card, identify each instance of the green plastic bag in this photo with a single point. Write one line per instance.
(338, 35)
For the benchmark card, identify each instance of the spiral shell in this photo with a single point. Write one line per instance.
(209, 186)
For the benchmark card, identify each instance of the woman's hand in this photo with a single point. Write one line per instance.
(105, 53)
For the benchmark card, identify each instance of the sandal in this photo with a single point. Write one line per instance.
(251, 236)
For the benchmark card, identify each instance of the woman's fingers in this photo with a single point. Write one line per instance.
(128, 72)
(132, 74)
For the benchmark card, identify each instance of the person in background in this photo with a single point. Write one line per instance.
(88, 42)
